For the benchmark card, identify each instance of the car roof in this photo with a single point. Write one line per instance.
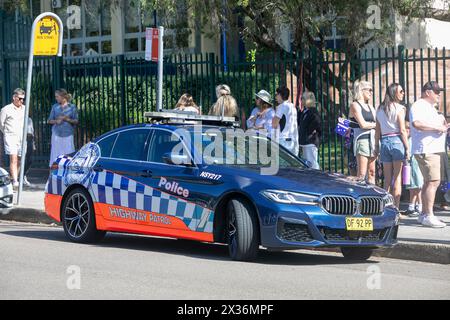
(171, 127)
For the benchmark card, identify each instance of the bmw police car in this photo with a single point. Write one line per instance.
(164, 179)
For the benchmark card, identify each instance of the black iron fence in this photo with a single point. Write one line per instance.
(112, 91)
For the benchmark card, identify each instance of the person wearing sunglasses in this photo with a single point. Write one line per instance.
(391, 131)
(362, 116)
(428, 137)
(11, 125)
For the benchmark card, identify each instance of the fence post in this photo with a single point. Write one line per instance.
(313, 56)
(59, 72)
(213, 76)
(401, 65)
(123, 101)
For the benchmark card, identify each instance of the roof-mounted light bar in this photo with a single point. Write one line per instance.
(183, 117)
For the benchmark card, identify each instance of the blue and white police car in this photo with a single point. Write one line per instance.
(182, 176)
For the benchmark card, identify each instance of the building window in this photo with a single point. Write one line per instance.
(137, 20)
(90, 29)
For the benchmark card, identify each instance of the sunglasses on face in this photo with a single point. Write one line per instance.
(20, 98)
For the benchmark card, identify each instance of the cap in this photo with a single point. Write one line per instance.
(432, 85)
(264, 96)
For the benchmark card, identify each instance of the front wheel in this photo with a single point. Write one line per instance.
(357, 254)
(78, 218)
(243, 239)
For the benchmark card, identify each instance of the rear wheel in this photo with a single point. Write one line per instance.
(78, 218)
(242, 226)
(357, 254)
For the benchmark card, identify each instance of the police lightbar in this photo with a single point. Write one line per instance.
(183, 117)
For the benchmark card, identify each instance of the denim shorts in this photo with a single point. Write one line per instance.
(392, 149)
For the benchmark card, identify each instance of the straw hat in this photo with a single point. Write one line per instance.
(264, 96)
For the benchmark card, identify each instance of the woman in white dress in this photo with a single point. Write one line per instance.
(63, 118)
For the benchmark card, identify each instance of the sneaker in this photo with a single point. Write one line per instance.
(433, 222)
(26, 182)
(412, 213)
(421, 217)
(15, 185)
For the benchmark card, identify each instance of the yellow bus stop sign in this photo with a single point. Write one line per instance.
(46, 37)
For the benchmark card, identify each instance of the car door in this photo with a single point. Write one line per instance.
(178, 190)
(115, 187)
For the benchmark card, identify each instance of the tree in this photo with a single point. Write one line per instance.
(361, 21)
(307, 20)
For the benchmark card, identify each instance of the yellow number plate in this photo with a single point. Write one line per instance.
(359, 224)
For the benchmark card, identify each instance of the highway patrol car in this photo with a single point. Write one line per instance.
(161, 179)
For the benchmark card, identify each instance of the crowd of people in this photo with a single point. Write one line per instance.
(297, 131)
(399, 137)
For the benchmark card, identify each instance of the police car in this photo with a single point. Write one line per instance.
(180, 176)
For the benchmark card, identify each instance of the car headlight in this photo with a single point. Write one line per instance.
(4, 180)
(388, 200)
(290, 197)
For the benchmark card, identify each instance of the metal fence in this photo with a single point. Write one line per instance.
(112, 91)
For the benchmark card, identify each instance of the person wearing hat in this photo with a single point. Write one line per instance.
(428, 133)
(262, 115)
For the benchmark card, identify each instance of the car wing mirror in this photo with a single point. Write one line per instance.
(308, 163)
(177, 159)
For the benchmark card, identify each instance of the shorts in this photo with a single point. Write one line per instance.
(364, 148)
(430, 166)
(13, 145)
(392, 149)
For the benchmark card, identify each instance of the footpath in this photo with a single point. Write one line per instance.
(416, 242)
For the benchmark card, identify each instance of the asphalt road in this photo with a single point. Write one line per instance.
(37, 262)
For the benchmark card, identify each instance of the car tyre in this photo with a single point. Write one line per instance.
(357, 254)
(78, 218)
(242, 227)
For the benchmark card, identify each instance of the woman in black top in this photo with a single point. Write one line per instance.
(309, 129)
(363, 116)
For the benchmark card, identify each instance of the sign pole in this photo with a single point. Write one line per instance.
(28, 90)
(160, 67)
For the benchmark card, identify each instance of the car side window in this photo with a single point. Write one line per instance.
(161, 144)
(106, 145)
(131, 145)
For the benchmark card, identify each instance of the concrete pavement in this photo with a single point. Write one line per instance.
(415, 241)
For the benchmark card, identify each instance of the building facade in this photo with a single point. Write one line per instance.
(94, 27)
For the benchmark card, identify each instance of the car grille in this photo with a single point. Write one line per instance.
(344, 235)
(345, 205)
(294, 232)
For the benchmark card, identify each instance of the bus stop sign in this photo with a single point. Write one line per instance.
(46, 37)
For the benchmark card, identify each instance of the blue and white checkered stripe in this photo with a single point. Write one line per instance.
(55, 183)
(114, 189)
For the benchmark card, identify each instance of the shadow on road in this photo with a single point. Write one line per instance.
(192, 249)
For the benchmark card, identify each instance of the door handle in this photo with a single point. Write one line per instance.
(146, 173)
(98, 168)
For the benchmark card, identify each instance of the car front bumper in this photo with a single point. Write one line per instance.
(296, 227)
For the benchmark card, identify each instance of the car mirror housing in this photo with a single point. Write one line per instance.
(177, 159)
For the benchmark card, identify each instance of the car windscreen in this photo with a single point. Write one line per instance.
(236, 148)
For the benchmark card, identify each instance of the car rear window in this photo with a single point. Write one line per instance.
(106, 145)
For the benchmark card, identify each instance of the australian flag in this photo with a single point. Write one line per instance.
(342, 127)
